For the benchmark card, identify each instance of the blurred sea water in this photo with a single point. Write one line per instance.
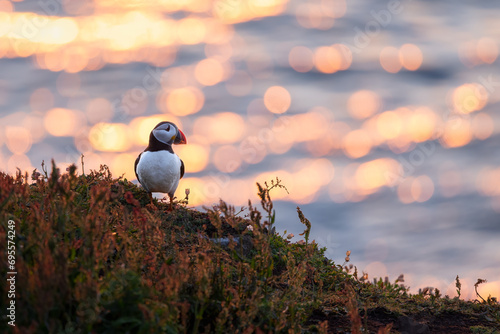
(380, 117)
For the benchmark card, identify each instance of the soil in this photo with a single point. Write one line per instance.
(379, 318)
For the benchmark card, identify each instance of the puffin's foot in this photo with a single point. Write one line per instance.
(171, 203)
(151, 205)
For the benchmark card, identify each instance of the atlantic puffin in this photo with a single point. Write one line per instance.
(158, 168)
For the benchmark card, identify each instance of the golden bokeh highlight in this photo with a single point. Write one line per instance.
(61, 122)
(457, 132)
(18, 139)
(363, 104)
(209, 72)
(469, 97)
(490, 289)
(194, 156)
(301, 59)
(390, 59)
(346, 56)
(110, 137)
(331, 59)
(389, 124)
(357, 144)
(124, 164)
(89, 41)
(277, 99)
(372, 175)
(309, 126)
(191, 30)
(221, 128)
(410, 56)
(185, 101)
(226, 127)
(241, 11)
(422, 124)
(308, 177)
(60, 31)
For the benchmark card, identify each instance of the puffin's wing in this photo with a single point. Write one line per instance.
(135, 168)
(182, 169)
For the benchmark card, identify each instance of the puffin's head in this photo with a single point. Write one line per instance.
(168, 133)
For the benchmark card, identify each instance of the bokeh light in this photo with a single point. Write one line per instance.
(363, 104)
(389, 124)
(18, 139)
(410, 57)
(457, 132)
(422, 124)
(209, 72)
(61, 122)
(277, 99)
(195, 157)
(357, 143)
(106, 72)
(469, 97)
(110, 137)
(487, 50)
(390, 59)
(185, 101)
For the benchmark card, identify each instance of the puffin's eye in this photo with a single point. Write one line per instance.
(168, 128)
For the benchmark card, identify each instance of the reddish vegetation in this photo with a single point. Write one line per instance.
(92, 255)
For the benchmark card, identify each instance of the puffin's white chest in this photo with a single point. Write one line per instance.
(159, 171)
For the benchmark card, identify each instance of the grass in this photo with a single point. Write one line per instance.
(93, 256)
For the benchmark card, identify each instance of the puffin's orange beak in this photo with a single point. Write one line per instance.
(180, 138)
